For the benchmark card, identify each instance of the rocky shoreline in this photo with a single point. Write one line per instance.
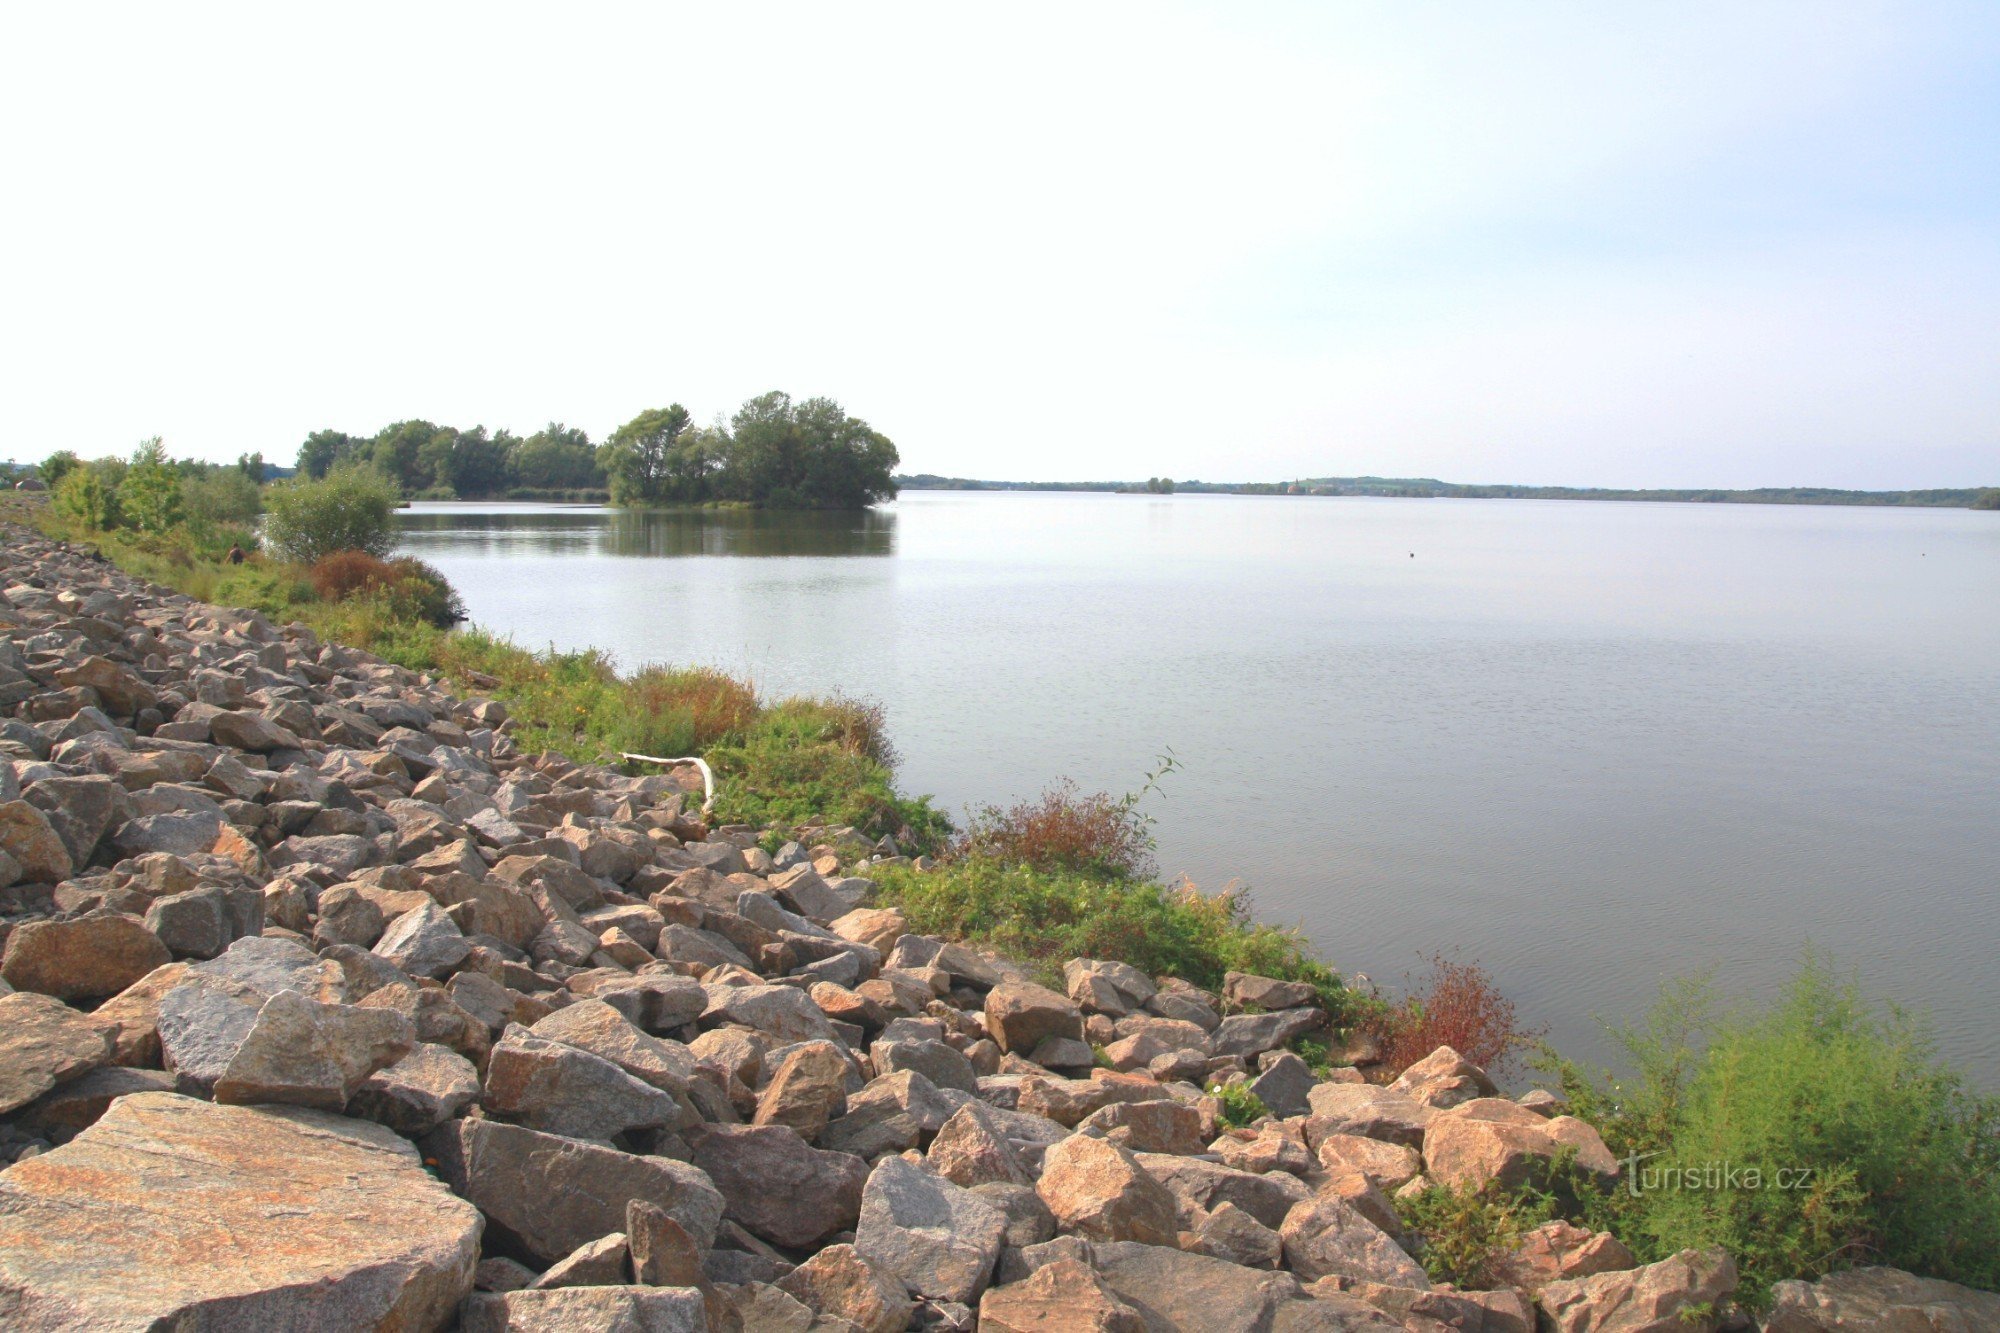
(323, 1007)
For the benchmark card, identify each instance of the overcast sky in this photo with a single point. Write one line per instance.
(1661, 244)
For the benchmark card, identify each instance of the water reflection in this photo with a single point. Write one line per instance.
(577, 530)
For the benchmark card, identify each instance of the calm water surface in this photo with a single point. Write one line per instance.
(1590, 745)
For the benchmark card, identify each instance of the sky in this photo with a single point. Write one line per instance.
(1637, 245)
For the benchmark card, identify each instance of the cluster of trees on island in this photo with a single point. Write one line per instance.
(773, 453)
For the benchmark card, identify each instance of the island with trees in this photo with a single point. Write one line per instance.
(774, 453)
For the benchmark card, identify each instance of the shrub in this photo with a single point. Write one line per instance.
(82, 498)
(350, 510)
(420, 591)
(1461, 1235)
(1888, 1158)
(1063, 829)
(407, 586)
(696, 706)
(807, 758)
(1460, 1007)
(1240, 1106)
(344, 573)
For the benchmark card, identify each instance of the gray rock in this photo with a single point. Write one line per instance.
(936, 1061)
(941, 1240)
(81, 810)
(586, 1310)
(1250, 1035)
(544, 1195)
(361, 1236)
(1324, 1237)
(303, 1053)
(784, 1012)
(561, 1089)
(1652, 1299)
(1880, 1300)
(424, 942)
(777, 1186)
(419, 1092)
(195, 924)
(598, 1263)
(1285, 1085)
(894, 1113)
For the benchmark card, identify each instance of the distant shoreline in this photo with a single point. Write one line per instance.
(1426, 488)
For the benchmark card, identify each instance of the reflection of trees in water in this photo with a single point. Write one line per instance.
(652, 532)
(749, 532)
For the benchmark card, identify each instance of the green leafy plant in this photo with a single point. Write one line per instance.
(1461, 1235)
(1240, 1106)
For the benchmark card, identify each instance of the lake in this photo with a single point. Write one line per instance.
(1589, 745)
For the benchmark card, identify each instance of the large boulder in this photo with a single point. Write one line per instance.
(304, 1053)
(1324, 1237)
(199, 1216)
(1021, 1015)
(808, 1088)
(1444, 1078)
(44, 1042)
(1684, 1293)
(1880, 1300)
(841, 1283)
(973, 1149)
(1371, 1112)
(1098, 1190)
(1062, 1297)
(1493, 1139)
(36, 848)
(1178, 1292)
(544, 1195)
(777, 1186)
(561, 1089)
(940, 1239)
(1199, 1186)
(89, 957)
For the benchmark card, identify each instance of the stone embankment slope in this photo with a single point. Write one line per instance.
(326, 1008)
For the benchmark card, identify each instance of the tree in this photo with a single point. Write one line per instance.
(1987, 499)
(251, 466)
(350, 510)
(638, 457)
(476, 464)
(150, 495)
(325, 450)
(57, 466)
(556, 458)
(224, 496)
(410, 453)
(806, 455)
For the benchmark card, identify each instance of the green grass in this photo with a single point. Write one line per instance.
(1044, 917)
(1241, 1107)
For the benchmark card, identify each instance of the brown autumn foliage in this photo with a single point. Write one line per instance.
(713, 703)
(1458, 1006)
(344, 573)
(1063, 829)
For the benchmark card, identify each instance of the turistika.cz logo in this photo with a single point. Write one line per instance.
(1709, 1177)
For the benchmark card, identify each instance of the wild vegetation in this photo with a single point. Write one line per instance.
(781, 760)
(773, 453)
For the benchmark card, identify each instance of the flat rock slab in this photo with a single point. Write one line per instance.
(44, 1042)
(175, 1213)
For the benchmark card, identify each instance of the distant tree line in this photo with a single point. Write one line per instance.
(1429, 488)
(774, 453)
(151, 492)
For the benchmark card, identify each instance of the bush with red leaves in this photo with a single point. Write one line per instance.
(1460, 1007)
